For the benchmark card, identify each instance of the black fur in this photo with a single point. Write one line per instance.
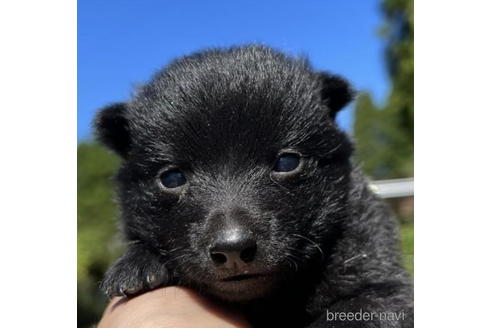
(325, 241)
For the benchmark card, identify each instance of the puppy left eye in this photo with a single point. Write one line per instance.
(287, 162)
(173, 179)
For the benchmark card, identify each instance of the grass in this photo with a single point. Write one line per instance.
(407, 246)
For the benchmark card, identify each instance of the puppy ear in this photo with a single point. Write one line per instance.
(111, 128)
(336, 92)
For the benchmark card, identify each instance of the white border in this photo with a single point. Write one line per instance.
(453, 166)
(38, 163)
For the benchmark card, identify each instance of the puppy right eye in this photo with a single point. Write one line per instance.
(287, 162)
(172, 179)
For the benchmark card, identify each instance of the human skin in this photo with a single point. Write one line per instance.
(175, 307)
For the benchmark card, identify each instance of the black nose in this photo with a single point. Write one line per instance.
(235, 247)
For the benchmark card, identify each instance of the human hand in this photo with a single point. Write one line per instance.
(168, 307)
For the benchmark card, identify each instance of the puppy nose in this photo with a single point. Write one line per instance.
(235, 247)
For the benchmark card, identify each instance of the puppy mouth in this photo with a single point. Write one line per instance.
(241, 277)
(243, 287)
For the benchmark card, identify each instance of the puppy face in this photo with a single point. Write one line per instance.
(233, 168)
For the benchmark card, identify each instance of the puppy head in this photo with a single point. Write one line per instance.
(233, 168)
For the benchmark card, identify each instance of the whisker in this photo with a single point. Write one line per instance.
(363, 255)
(312, 242)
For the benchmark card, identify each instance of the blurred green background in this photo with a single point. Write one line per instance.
(383, 134)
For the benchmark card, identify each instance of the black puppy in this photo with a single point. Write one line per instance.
(236, 181)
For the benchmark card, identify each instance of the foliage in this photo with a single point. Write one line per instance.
(97, 244)
(407, 246)
(384, 136)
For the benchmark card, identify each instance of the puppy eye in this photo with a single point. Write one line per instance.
(287, 162)
(173, 178)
